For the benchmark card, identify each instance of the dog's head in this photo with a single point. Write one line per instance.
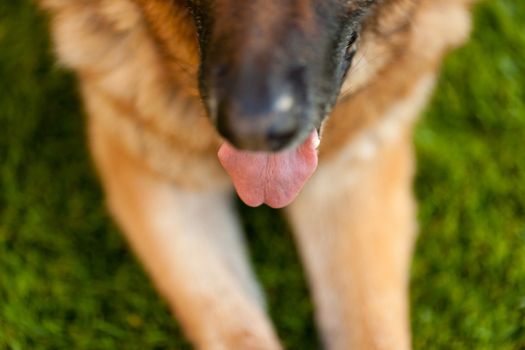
(269, 72)
(272, 69)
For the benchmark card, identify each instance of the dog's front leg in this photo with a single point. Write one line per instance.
(191, 245)
(354, 225)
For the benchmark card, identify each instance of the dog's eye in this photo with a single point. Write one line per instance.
(351, 47)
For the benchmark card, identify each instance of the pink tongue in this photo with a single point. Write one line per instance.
(271, 178)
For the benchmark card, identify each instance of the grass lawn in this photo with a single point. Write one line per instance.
(68, 280)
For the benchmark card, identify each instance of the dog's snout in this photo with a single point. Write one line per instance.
(259, 110)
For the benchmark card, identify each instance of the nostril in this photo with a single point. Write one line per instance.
(277, 142)
(280, 137)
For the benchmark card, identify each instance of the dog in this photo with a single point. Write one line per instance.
(302, 104)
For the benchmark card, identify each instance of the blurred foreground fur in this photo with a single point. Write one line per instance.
(138, 63)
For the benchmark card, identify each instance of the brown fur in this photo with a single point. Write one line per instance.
(137, 62)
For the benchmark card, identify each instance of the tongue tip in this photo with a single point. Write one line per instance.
(251, 202)
(272, 202)
(278, 204)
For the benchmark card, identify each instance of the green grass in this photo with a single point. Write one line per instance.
(68, 280)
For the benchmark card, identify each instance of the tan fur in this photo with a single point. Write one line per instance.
(155, 149)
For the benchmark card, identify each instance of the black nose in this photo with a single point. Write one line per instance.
(254, 129)
(261, 110)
